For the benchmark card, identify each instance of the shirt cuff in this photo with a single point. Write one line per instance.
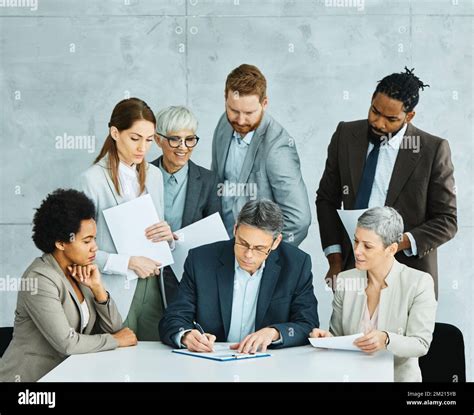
(177, 338)
(280, 340)
(413, 251)
(172, 244)
(116, 264)
(332, 249)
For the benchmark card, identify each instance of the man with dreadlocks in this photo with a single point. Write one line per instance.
(386, 161)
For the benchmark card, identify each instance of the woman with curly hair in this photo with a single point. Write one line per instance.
(68, 311)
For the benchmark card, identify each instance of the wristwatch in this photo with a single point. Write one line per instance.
(387, 340)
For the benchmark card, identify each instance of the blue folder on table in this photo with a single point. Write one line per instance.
(222, 355)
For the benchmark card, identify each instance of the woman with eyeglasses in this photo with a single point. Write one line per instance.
(190, 191)
(118, 175)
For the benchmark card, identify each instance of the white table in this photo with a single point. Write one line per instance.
(154, 362)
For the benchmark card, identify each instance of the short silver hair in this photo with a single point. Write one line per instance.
(175, 118)
(386, 222)
(262, 214)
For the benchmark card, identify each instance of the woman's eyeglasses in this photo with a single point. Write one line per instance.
(175, 142)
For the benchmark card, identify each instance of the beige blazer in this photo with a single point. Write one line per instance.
(48, 324)
(407, 311)
(97, 184)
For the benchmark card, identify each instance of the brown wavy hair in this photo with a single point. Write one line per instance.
(125, 113)
(247, 80)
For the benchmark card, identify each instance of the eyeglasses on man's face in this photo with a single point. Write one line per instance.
(259, 250)
(174, 141)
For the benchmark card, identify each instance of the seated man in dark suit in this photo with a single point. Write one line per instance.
(255, 290)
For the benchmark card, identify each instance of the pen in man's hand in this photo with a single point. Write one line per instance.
(201, 330)
(198, 327)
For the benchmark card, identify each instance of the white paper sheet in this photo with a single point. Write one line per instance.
(127, 223)
(349, 220)
(202, 232)
(339, 342)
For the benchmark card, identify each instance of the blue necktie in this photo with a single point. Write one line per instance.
(368, 175)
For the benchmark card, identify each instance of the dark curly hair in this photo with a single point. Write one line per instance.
(60, 216)
(403, 87)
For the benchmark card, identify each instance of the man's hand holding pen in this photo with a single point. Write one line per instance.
(195, 341)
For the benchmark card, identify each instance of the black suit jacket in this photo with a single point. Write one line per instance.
(201, 201)
(421, 189)
(286, 298)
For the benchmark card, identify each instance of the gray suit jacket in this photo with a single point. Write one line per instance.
(96, 183)
(201, 194)
(48, 324)
(407, 311)
(421, 190)
(272, 163)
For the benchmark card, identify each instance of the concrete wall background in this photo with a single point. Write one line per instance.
(65, 64)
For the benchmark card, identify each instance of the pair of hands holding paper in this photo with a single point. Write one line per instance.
(371, 342)
(258, 341)
(145, 267)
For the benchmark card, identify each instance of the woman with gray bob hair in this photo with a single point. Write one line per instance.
(175, 118)
(190, 191)
(397, 308)
(386, 222)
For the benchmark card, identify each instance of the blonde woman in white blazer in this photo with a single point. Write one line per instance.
(392, 304)
(118, 175)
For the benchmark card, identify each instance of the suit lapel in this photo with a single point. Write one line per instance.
(89, 299)
(357, 156)
(359, 302)
(118, 198)
(386, 295)
(404, 165)
(270, 277)
(192, 194)
(223, 142)
(253, 148)
(49, 258)
(155, 189)
(225, 284)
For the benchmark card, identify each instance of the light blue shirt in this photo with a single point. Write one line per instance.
(233, 166)
(175, 187)
(244, 303)
(244, 306)
(386, 162)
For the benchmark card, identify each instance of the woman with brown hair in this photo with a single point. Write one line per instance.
(120, 174)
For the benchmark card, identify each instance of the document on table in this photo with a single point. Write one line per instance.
(222, 353)
(349, 220)
(202, 232)
(338, 342)
(127, 223)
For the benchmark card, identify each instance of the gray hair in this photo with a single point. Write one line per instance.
(175, 118)
(386, 222)
(262, 214)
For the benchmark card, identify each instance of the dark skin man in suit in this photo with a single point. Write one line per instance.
(420, 185)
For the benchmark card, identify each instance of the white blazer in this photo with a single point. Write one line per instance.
(407, 311)
(97, 184)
